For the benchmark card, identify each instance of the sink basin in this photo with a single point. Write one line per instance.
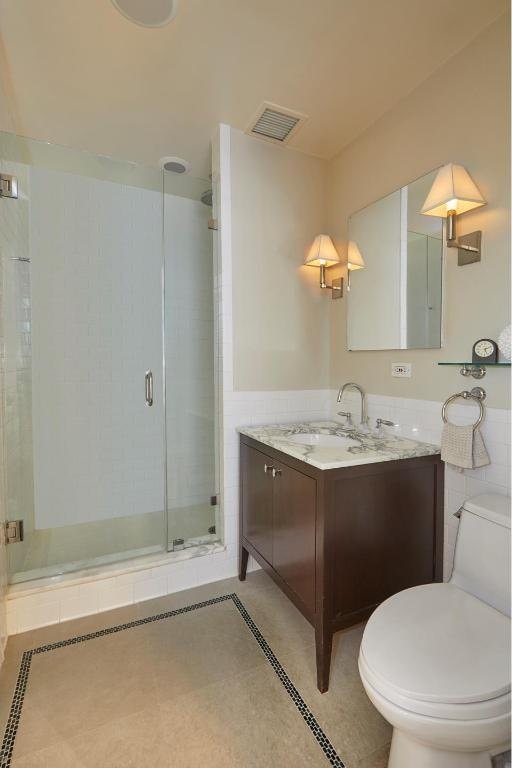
(322, 441)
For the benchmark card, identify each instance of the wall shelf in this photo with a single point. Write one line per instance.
(476, 370)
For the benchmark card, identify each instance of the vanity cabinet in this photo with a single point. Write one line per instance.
(340, 541)
(258, 505)
(278, 520)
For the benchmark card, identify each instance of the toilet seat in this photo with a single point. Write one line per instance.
(437, 650)
(479, 710)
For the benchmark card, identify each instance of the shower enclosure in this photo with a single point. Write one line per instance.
(108, 359)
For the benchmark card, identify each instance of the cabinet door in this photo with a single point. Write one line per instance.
(257, 486)
(294, 532)
(383, 536)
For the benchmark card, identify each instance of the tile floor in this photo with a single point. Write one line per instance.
(191, 690)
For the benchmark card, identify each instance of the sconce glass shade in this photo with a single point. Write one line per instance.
(453, 190)
(355, 259)
(322, 252)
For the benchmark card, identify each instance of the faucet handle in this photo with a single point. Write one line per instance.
(380, 422)
(348, 417)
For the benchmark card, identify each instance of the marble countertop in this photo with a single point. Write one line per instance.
(357, 447)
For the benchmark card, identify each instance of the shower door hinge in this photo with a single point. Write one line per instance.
(213, 224)
(13, 531)
(8, 185)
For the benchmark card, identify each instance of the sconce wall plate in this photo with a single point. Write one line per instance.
(337, 288)
(474, 240)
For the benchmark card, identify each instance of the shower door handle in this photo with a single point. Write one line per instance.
(148, 386)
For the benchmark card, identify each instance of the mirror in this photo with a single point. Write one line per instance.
(395, 258)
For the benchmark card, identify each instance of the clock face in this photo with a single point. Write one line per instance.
(484, 348)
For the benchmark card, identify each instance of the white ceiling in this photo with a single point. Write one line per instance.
(76, 72)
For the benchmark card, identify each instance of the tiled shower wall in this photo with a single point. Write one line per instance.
(96, 259)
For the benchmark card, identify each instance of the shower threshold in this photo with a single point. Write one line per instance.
(84, 564)
(177, 544)
(101, 571)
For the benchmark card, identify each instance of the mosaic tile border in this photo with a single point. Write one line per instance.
(11, 729)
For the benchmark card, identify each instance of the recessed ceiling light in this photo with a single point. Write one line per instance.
(147, 13)
(174, 164)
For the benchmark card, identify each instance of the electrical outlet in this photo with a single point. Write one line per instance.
(401, 370)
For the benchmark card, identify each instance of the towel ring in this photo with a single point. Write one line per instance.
(477, 395)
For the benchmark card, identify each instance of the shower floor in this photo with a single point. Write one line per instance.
(53, 551)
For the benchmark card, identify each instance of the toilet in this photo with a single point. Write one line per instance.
(435, 659)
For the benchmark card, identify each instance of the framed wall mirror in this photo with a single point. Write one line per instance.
(395, 262)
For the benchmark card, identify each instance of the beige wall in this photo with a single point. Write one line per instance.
(287, 333)
(280, 320)
(459, 114)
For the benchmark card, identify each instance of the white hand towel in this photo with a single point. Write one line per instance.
(463, 447)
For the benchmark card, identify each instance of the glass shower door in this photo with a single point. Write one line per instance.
(81, 259)
(191, 360)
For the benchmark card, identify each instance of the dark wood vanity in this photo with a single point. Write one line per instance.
(340, 541)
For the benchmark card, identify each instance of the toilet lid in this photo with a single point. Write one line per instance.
(438, 643)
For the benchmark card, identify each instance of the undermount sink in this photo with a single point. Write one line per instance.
(321, 440)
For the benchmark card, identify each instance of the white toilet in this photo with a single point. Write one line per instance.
(435, 659)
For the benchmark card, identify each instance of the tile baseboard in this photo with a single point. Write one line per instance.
(38, 603)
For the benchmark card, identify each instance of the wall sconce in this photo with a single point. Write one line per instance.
(323, 254)
(354, 260)
(454, 192)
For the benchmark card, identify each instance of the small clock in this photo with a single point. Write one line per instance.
(485, 351)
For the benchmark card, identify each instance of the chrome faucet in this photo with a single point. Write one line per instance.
(351, 385)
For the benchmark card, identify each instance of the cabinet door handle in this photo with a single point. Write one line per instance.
(269, 468)
(276, 472)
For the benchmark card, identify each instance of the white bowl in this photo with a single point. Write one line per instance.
(322, 441)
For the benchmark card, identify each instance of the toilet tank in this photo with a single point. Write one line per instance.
(482, 551)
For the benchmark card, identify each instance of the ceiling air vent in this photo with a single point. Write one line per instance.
(275, 123)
